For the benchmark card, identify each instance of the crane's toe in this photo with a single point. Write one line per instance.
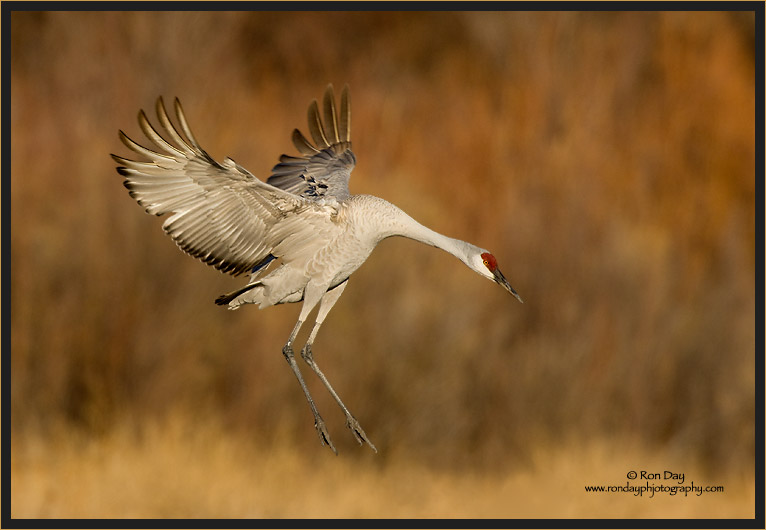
(359, 433)
(324, 436)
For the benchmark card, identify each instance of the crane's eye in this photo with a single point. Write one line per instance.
(489, 261)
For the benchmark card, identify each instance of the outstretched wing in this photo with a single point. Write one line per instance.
(323, 170)
(221, 213)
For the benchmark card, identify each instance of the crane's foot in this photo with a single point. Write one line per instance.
(324, 436)
(359, 433)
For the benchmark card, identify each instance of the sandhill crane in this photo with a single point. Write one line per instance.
(302, 224)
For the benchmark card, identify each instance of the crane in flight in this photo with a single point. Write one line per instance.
(299, 235)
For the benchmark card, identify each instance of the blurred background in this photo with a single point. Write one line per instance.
(607, 161)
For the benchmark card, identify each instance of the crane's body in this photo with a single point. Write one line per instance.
(343, 238)
(300, 235)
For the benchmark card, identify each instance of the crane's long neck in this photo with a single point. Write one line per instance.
(398, 223)
(421, 233)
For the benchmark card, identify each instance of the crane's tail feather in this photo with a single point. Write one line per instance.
(225, 299)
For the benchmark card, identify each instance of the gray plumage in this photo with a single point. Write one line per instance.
(300, 234)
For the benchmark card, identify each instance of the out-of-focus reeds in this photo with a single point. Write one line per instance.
(606, 159)
(181, 468)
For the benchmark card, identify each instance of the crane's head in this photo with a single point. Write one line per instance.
(485, 264)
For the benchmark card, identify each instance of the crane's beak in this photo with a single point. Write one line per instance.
(499, 278)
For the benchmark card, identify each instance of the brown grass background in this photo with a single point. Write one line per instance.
(606, 159)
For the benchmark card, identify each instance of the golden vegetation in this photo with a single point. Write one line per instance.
(182, 468)
(606, 159)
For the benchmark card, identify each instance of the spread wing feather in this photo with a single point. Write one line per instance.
(324, 169)
(220, 213)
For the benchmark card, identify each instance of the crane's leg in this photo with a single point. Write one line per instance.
(287, 351)
(328, 300)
